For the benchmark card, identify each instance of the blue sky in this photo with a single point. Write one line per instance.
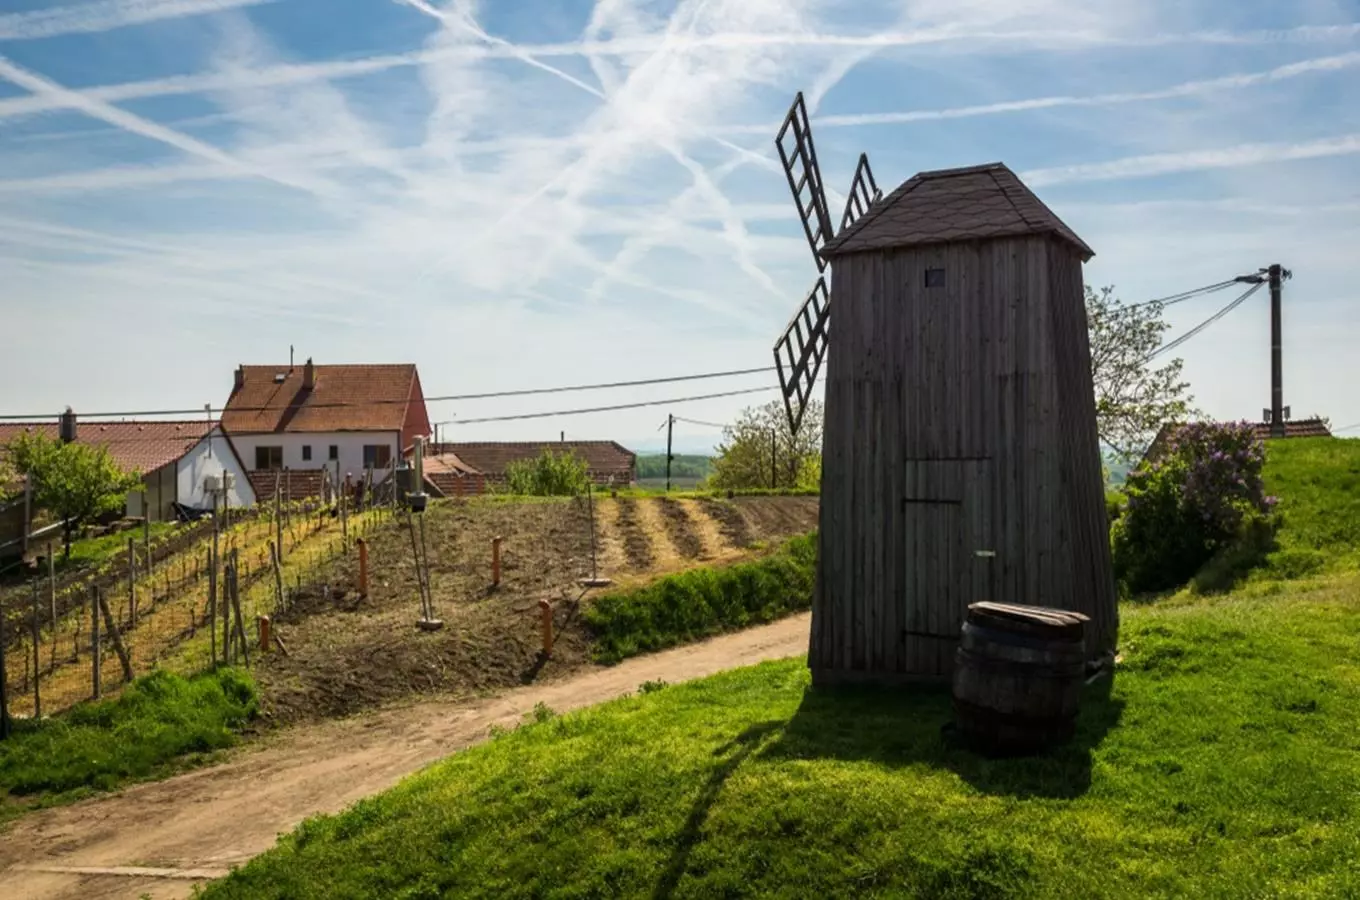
(516, 195)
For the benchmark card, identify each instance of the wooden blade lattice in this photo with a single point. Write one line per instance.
(800, 166)
(799, 352)
(864, 193)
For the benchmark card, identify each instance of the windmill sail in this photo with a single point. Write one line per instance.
(799, 352)
(800, 166)
(864, 193)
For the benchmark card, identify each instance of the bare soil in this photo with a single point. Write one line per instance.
(347, 653)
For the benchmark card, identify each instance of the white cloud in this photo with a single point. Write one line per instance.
(512, 214)
(106, 15)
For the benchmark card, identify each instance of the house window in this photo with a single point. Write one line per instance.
(334, 453)
(934, 278)
(306, 452)
(269, 457)
(377, 456)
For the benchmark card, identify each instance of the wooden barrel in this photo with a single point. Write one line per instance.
(1017, 677)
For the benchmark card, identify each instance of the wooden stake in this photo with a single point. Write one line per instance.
(94, 637)
(263, 623)
(240, 621)
(117, 638)
(212, 607)
(545, 609)
(52, 599)
(363, 568)
(274, 555)
(37, 649)
(496, 561)
(132, 583)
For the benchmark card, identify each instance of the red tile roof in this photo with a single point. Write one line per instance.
(135, 446)
(604, 459)
(974, 203)
(345, 398)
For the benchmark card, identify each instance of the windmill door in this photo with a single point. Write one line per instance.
(945, 518)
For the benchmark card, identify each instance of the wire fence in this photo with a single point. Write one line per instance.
(182, 605)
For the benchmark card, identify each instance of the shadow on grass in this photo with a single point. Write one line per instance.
(736, 751)
(904, 727)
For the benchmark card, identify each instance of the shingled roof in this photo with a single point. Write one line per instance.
(1301, 428)
(344, 398)
(134, 446)
(969, 204)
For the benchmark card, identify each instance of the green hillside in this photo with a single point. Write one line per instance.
(1222, 761)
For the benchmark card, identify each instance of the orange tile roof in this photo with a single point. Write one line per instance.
(345, 398)
(135, 446)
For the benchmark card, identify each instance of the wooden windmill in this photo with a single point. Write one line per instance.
(960, 457)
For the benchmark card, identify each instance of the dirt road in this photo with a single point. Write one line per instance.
(159, 839)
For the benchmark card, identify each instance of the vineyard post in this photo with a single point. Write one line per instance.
(37, 649)
(146, 533)
(212, 604)
(240, 621)
(132, 583)
(274, 553)
(4, 678)
(278, 511)
(52, 598)
(94, 637)
(118, 646)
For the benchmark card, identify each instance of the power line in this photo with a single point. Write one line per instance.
(1173, 299)
(437, 399)
(617, 406)
(1205, 324)
(698, 422)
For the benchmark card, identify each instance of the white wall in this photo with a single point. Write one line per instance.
(212, 456)
(349, 443)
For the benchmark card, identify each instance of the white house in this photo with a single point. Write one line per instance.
(174, 459)
(345, 418)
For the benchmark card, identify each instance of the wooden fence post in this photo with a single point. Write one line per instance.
(116, 638)
(212, 606)
(275, 554)
(240, 622)
(132, 583)
(496, 561)
(363, 568)
(52, 599)
(37, 649)
(94, 638)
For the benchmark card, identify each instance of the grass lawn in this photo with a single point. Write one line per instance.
(158, 724)
(1318, 483)
(1221, 763)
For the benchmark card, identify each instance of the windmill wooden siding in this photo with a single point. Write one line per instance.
(960, 421)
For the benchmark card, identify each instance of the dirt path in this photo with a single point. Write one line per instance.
(159, 839)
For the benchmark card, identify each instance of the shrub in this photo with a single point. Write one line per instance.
(1203, 499)
(548, 475)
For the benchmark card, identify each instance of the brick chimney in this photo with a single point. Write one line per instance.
(240, 377)
(308, 375)
(67, 428)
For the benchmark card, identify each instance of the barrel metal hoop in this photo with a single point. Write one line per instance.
(991, 665)
(997, 636)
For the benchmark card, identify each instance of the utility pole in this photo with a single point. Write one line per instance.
(1276, 275)
(670, 428)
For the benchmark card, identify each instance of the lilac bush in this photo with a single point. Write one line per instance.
(1202, 494)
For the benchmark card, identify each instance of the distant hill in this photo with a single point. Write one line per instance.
(687, 466)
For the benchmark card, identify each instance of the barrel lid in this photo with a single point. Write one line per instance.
(1059, 623)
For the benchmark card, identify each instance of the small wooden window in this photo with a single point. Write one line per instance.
(306, 452)
(269, 457)
(934, 278)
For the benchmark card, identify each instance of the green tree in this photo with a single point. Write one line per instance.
(758, 447)
(1133, 398)
(74, 482)
(548, 475)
